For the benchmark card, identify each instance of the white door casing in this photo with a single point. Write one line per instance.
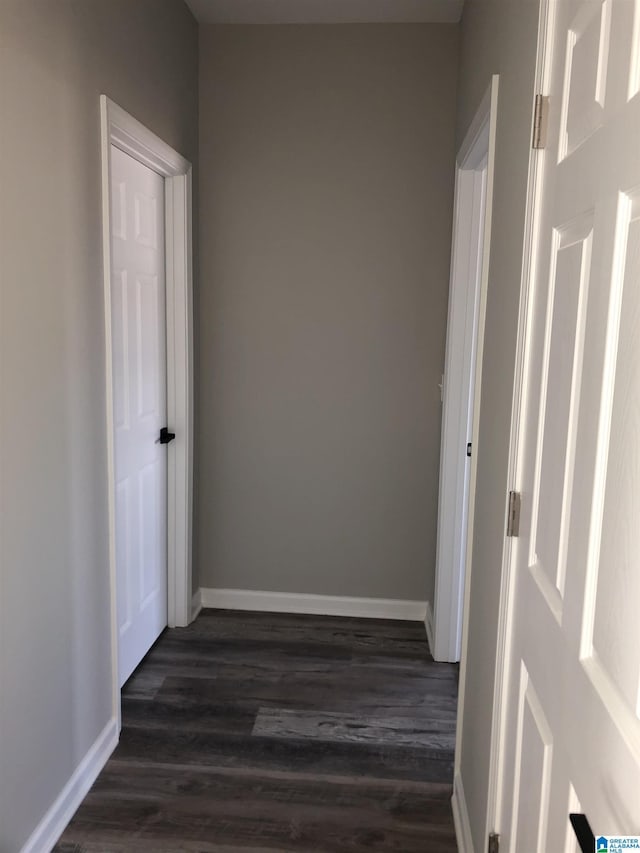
(457, 412)
(127, 134)
(571, 735)
(467, 292)
(138, 329)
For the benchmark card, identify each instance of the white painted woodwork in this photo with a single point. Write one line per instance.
(138, 326)
(572, 712)
(122, 131)
(461, 410)
(458, 403)
(47, 833)
(325, 605)
(461, 815)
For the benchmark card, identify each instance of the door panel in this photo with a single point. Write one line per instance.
(616, 628)
(585, 78)
(558, 405)
(534, 753)
(573, 720)
(139, 394)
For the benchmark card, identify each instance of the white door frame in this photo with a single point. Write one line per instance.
(463, 362)
(486, 117)
(494, 817)
(125, 132)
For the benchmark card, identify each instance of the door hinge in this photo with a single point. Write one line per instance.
(494, 843)
(513, 514)
(540, 121)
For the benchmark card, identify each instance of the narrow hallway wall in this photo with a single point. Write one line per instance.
(326, 201)
(56, 58)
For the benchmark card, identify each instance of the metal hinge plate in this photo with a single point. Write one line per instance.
(494, 843)
(540, 121)
(513, 514)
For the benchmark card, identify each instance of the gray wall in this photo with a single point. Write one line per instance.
(497, 37)
(56, 57)
(327, 158)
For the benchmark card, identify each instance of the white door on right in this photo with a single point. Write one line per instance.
(572, 739)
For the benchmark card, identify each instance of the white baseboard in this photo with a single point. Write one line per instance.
(53, 824)
(196, 604)
(461, 816)
(322, 605)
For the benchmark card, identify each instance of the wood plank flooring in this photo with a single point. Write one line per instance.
(272, 732)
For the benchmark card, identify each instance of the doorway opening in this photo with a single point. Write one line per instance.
(461, 381)
(169, 175)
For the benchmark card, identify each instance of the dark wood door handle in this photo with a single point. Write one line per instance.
(166, 436)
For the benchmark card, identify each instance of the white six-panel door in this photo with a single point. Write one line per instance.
(573, 722)
(139, 398)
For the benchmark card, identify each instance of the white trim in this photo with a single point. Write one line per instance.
(53, 824)
(324, 605)
(493, 89)
(428, 624)
(495, 781)
(457, 410)
(125, 132)
(196, 604)
(132, 137)
(179, 396)
(463, 364)
(461, 817)
(472, 151)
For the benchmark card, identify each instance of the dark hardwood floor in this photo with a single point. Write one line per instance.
(269, 732)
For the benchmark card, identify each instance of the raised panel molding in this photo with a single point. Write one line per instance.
(534, 753)
(145, 208)
(119, 201)
(123, 509)
(585, 78)
(147, 305)
(148, 535)
(560, 397)
(121, 391)
(610, 601)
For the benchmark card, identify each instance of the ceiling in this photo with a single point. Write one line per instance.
(325, 11)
